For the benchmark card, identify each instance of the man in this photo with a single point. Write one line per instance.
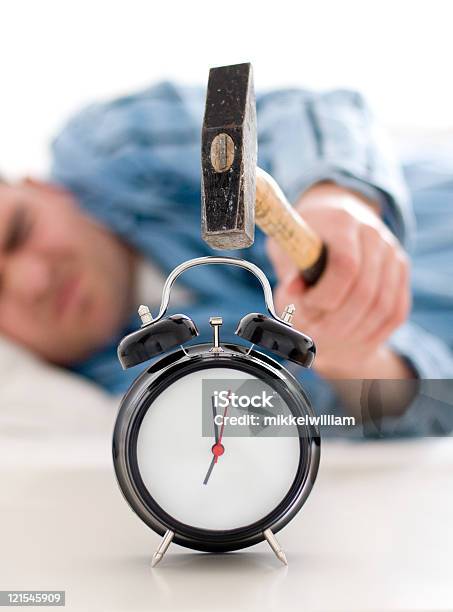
(123, 204)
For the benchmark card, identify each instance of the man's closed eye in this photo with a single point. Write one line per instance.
(18, 230)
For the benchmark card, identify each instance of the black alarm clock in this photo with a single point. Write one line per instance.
(206, 491)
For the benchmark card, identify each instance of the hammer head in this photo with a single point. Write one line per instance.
(228, 158)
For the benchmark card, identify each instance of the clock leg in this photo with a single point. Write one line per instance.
(160, 552)
(273, 543)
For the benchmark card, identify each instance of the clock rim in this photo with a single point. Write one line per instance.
(151, 383)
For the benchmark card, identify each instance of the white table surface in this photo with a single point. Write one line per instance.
(376, 533)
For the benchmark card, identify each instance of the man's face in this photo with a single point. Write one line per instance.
(65, 282)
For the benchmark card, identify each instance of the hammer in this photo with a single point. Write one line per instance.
(235, 193)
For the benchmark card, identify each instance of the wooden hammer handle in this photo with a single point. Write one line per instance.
(277, 218)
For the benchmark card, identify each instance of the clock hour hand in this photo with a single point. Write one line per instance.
(217, 450)
(208, 473)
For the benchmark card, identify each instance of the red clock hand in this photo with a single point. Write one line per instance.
(218, 448)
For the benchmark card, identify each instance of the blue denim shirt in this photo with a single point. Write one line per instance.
(134, 164)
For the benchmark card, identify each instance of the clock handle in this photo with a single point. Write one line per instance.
(230, 261)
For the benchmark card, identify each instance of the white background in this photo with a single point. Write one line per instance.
(56, 55)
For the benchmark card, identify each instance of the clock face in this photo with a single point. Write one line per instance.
(177, 464)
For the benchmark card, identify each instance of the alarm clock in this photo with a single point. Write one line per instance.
(207, 490)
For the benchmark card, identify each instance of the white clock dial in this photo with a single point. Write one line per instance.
(250, 479)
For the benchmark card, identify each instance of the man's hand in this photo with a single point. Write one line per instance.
(364, 293)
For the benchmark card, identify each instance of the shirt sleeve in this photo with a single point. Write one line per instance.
(431, 411)
(134, 156)
(306, 137)
(133, 164)
(426, 354)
